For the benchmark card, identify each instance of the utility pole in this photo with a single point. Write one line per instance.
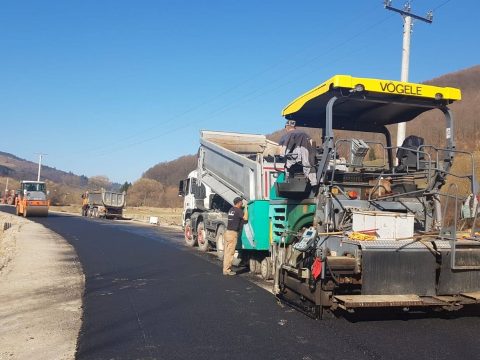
(40, 156)
(407, 30)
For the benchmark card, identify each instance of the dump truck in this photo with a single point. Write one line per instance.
(31, 199)
(230, 165)
(103, 204)
(374, 233)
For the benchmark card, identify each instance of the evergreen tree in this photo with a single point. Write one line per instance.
(125, 186)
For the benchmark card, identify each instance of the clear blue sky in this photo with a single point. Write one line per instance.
(114, 87)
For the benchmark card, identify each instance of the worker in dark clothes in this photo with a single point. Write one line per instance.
(85, 204)
(298, 146)
(236, 219)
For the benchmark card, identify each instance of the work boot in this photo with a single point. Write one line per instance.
(230, 273)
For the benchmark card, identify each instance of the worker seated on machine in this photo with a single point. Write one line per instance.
(299, 151)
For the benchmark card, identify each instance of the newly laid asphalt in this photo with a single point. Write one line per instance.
(147, 296)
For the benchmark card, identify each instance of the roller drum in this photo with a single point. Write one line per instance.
(39, 210)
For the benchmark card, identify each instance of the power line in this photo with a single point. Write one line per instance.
(211, 99)
(304, 64)
(247, 98)
(441, 5)
(255, 76)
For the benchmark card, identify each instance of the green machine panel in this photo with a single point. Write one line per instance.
(256, 233)
(288, 216)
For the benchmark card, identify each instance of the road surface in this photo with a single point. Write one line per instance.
(147, 296)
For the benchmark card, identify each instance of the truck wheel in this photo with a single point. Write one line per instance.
(219, 240)
(266, 268)
(254, 265)
(202, 240)
(189, 239)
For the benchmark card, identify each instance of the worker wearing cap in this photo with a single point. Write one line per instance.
(236, 219)
(299, 146)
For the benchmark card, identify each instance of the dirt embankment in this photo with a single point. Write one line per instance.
(41, 287)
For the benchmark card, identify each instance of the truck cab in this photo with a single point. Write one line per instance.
(204, 214)
(196, 196)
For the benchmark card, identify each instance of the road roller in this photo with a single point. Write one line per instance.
(32, 199)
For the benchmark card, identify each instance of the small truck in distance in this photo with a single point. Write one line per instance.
(103, 204)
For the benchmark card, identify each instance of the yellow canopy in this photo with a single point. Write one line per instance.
(368, 101)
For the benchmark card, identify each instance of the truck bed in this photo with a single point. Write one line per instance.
(107, 198)
(234, 164)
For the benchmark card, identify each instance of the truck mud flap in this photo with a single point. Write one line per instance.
(393, 272)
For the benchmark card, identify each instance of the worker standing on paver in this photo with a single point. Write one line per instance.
(298, 147)
(236, 219)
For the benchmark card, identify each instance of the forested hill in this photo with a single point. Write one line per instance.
(65, 187)
(158, 186)
(20, 169)
(170, 173)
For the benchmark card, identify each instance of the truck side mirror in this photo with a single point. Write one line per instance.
(181, 191)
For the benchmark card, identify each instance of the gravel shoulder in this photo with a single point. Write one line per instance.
(41, 288)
